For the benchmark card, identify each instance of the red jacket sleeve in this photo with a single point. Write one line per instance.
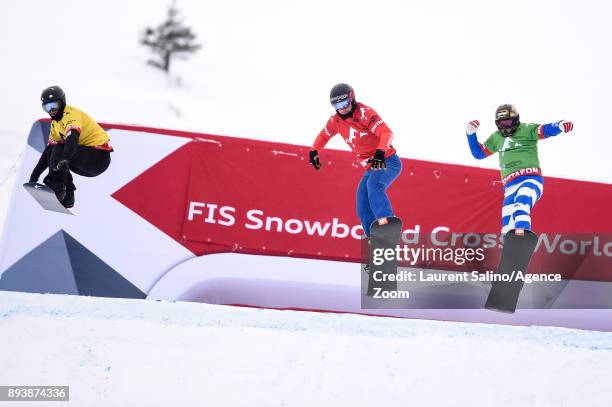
(377, 126)
(325, 135)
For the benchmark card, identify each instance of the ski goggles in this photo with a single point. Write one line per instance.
(50, 106)
(341, 104)
(505, 123)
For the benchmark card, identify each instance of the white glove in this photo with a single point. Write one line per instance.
(472, 127)
(565, 126)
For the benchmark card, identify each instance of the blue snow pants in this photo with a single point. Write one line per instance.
(372, 200)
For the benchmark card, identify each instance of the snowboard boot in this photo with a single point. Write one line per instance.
(68, 200)
(365, 253)
(57, 187)
(366, 268)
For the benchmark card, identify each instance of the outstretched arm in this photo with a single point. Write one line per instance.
(320, 142)
(554, 129)
(325, 134)
(479, 151)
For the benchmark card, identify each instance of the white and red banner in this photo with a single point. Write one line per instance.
(221, 194)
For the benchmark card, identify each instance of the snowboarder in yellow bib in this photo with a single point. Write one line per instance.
(76, 144)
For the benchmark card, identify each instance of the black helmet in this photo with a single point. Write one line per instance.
(53, 94)
(53, 101)
(341, 96)
(507, 119)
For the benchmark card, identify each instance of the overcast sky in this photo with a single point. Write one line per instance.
(266, 69)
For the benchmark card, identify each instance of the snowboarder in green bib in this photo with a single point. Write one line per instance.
(517, 145)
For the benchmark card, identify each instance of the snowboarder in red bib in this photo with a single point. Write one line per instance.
(369, 138)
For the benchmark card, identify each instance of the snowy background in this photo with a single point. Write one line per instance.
(264, 72)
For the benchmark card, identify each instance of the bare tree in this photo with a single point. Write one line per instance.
(169, 40)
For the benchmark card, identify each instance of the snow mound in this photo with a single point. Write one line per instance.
(132, 352)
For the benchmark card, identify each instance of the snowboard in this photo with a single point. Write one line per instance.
(385, 233)
(45, 197)
(516, 255)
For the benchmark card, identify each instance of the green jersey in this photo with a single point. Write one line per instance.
(517, 152)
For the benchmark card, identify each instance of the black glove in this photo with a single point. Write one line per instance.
(378, 161)
(63, 165)
(314, 159)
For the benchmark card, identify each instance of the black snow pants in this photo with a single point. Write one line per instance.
(87, 162)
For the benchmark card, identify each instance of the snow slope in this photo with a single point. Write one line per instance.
(131, 352)
(266, 68)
